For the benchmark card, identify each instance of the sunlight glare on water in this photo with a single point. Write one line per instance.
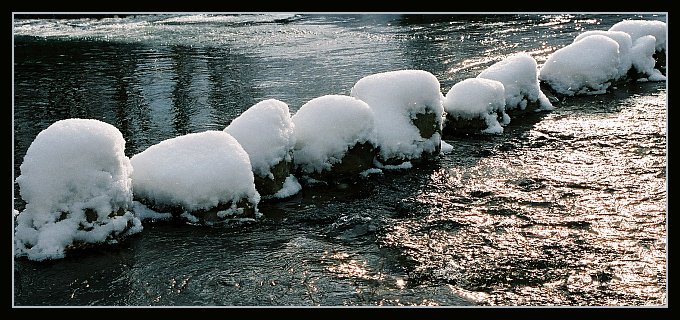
(589, 204)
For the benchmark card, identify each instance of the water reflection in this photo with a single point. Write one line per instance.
(183, 104)
(131, 111)
(233, 84)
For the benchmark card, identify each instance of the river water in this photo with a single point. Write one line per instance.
(566, 208)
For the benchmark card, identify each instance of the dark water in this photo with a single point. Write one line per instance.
(564, 208)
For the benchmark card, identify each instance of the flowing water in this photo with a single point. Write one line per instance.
(566, 208)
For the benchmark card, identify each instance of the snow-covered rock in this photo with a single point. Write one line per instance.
(203, 177)
(266, 133)
(519, 75)
(408, 113)
(474, 106)
(76, 182)
(335, 137)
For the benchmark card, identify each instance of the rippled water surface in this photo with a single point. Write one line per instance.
(563, 208)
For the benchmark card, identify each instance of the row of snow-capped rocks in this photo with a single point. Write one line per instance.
(81, 189)
(599, 59)
(595, 62)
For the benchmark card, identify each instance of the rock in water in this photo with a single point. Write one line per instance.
(335, 137)
(408, 112)
(196, 174)
(519, 75)
(475, 106)
(76, 181)
(266, 132)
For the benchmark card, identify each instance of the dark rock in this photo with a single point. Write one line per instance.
(358, 158)
(92, 219)
(455, 126)
(90, 215)
(211, 216)
(427, 125)
(118, 213)
(266, 185)
(204, 216)
(549, 92)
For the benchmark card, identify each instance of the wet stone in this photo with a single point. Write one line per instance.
(206, 217)
(552, 96)
(120, 212)
(455, 127)
(266, 185)
(212, 216)
(90, 215)
(357, 159)
(427, 125)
